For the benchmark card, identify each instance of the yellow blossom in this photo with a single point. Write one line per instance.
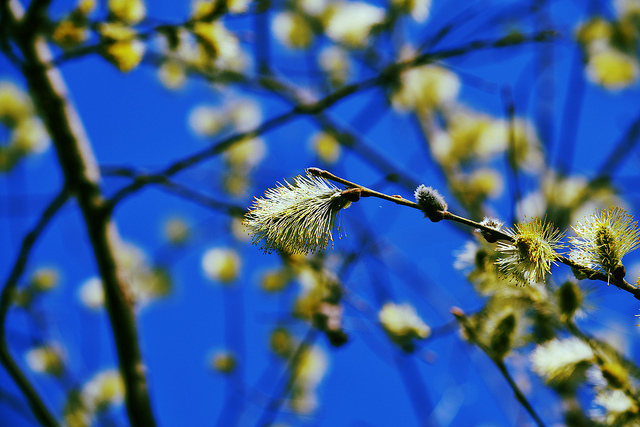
(326, 147)
(335, 61)
(244, 114)
(146, 283)
(470, 136)
(298, 217)
(15, 105)
(105, 389)
(85, 7)
(44, 279)
(129, 11)
(281, 342)
(223, 362)
(275, 280)
(122, 47)
(311, 366)
(220, 44)
(236, 182)
(207, 121)
(419, 9)
(425, 87)
(292, 30)
(221, 264)
(402, 324)
(612, 68)
(308, 372)
(246, 154)
(238, 6)
(604, 239)
(618, 405)
(126, 55)
(68, 34)
(30, 136)
(312, 7)
(91, 294)
(593, 30)
(562, 361)
(528, 258)
(176, 231)
(46, 359)
(238, 230)
(202, 8)
(627, 8)
(172, 74)
(351, 22)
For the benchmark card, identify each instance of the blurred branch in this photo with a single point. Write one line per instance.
(573, 107)
(177, 189)
(36, 14)
(81, 175)
(461, 317)
(544, 63)
(15, 404)
(262, 49)
(509, 106)
(194, 159)
(234, 338)
(345, 137)
(6, 298)
(416, 389)
(288, 377)
(516, 390)
(389, 74)
(621, 152)
(597, 344)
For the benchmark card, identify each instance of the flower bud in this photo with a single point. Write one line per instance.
(430, 202)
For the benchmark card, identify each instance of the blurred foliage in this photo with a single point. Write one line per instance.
(480, 154)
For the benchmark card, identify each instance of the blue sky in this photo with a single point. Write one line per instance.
(133, 121)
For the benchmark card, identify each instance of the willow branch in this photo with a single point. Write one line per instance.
(463, 320)
(36, 404)
(346, 138)
(194, 159)
(389, 74)
(517, 392)
(82, 178)
(289, 378)
(178, 190)
(496, 234)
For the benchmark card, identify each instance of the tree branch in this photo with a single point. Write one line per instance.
(497, 234)
(281, 391)
(463, 320)
(6, 298)
(179, 190)
(389, 74)
(82, 177)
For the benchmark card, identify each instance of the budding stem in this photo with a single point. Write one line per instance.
(367, 192)
(351, 195)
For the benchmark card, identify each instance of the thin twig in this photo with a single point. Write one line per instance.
(463, 320)
(388, 75)
(516, 390)
(497, 234)
(178, 190)
(6, 297)
(194, 159)
(289, 378)
(510, 109)
(347, 138)
(81, 174)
